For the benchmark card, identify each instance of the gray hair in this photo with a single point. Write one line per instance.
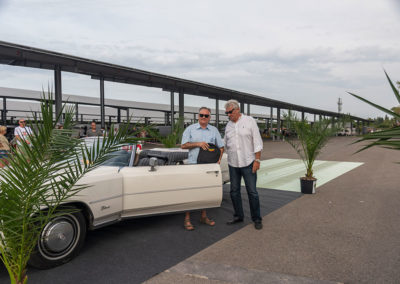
(209, 110)
(232, 103)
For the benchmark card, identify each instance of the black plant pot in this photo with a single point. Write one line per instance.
(308, 185)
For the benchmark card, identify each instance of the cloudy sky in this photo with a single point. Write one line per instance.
(307, 52)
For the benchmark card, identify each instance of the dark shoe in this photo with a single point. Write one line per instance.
(258, 225)
(234, 221)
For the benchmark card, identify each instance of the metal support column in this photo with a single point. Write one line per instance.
(302, 116)
(272, 124)
(58, 91)
(248, 109)
(76, 112)
(351, 127)
(127, 115)
(278, 122)
(4, 112)
(181, 108)
(217, 113)
(241, 107)
(172, 111)
(119, 115)
(102, 108)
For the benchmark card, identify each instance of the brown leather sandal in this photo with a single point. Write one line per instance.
(207, 221)
(188, 225)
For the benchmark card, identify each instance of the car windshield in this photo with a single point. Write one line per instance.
(121, 158)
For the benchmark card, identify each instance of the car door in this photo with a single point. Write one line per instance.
(170, 188)
(103, 194)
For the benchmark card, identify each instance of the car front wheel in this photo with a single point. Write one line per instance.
(61, 239)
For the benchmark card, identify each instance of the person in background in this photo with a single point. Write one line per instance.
(243, 145)
(198, 136)
(22, 132)
(93, 131)
(59, 125)
(4, 146)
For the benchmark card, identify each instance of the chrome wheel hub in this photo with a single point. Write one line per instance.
(58, 236)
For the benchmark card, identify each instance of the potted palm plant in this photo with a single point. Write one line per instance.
(311, 138)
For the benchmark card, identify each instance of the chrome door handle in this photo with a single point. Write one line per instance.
(213, 172)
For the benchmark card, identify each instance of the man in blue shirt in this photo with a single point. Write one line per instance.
(198, 136)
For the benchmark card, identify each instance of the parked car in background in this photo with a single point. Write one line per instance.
(129, 185)
(344, 132)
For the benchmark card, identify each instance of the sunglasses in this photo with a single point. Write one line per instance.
(22, 121)
(204, 115)
(230, 112)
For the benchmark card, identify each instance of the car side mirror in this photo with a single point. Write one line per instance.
(153, 163)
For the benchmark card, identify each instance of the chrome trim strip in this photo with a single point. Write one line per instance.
(168, 190)
(104, 199)
(105, 220)
(128, 213)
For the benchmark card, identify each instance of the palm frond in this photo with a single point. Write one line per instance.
(310, 140)
(42, 174)
(389, 138)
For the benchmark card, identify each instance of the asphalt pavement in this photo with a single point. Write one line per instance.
(135, 250)
(348, 232)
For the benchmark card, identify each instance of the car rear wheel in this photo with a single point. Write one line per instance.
(61, 239)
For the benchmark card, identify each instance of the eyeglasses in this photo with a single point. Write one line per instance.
(204, 115)
(230, 112)
(22, 121)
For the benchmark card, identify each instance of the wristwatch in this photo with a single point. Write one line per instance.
(257, 160)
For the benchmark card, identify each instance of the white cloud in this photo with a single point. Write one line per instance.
(306, 52)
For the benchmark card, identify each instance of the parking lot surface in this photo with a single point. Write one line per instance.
(348, 232)
(135, 250)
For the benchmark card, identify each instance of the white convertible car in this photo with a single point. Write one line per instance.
(130, 185)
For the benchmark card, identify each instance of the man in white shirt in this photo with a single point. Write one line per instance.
(243, 144)
(22, 132)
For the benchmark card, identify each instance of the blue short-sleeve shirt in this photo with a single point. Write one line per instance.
(194, 133)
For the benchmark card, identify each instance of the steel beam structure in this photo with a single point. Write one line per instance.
(217, 113)
(278, 123)
(102, 107)
(172, 111)
(4, 112)
(181, 108)
(241, 107)
(58, 91)
(26, 56)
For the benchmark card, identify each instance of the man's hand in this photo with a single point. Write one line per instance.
(256, 166)
(203, 145)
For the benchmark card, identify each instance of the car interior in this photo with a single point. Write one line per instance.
(122, 158)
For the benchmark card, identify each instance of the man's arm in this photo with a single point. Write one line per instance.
(220, 156)
(191, 145)
(256, 164)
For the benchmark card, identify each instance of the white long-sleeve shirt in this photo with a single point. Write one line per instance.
(242, 140)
